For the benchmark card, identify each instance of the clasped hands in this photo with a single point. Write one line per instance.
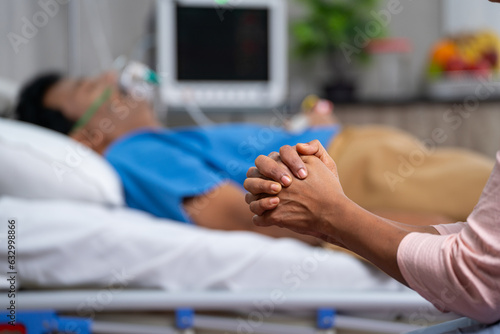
(299, 189)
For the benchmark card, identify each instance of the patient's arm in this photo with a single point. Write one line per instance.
(224, 208)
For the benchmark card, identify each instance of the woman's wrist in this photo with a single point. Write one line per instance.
(340, 219)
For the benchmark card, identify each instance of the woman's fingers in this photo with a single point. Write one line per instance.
(292, 160)
(254, 172)
(290, 157)
(315, 148)
(256, 186)
(261, 186)
(264, 204)
(273, 169)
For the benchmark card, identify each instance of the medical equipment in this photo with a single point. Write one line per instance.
(229, 55)
(136, 72)
(94, 107)
(136, 79)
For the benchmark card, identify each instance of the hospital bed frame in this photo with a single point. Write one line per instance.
(187, 305)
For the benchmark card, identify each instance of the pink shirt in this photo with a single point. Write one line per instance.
(459, 270)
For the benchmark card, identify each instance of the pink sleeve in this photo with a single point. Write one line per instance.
(449, 228)
(460, 272)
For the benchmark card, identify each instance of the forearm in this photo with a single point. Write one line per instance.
(413, 228)
(368, 235)
(415, 221)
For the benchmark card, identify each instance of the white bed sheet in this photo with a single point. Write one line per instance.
(65, 244)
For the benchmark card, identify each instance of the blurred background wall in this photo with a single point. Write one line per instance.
(122, 23)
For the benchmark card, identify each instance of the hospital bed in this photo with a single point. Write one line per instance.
(68, 207)
(310, 312)
(221, 274)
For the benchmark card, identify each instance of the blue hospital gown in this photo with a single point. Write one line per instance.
(161, 167)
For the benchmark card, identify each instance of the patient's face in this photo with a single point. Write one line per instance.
(118, 115)
(74, 96)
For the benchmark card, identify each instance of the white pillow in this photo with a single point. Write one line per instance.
(44, 164)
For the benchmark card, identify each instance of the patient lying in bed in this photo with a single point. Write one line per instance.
(195, 175)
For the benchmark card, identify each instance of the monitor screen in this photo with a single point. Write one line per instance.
(233, 46)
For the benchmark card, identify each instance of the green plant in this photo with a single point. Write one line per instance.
(330, 26)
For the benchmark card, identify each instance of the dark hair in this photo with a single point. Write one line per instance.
(30, 107)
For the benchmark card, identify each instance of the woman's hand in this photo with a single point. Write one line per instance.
(316, 205)
(276, 171)
(306, 206)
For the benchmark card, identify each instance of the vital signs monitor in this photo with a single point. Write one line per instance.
(222, 54)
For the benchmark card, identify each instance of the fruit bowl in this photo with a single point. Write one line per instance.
(460, 65)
